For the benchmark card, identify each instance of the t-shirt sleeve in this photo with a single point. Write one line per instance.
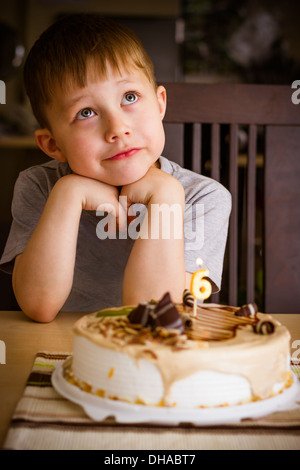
(28, 202)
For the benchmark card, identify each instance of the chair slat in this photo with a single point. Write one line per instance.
(197, 148)
(251, 207)
(233, 227)
(215, 151)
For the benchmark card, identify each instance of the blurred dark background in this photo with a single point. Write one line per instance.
(201, 41)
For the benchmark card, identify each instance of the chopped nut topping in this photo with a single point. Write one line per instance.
(121, 332)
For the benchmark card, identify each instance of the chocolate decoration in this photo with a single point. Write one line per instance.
(187, 298)
(163, 314)
(140, 314)
(249, 310)
(264, 327)
(166, 314)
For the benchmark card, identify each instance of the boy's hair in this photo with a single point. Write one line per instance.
(60, 56)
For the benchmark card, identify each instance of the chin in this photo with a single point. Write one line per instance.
(129, 178)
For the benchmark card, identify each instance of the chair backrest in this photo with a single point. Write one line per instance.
(248, 138)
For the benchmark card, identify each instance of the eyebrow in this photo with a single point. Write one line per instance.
(73, 101)
(124, 80)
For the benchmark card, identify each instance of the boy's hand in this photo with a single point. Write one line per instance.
(155, 187)
(95, 195)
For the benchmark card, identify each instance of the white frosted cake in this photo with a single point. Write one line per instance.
(161, 354)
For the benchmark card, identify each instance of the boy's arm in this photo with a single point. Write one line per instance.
(156, 263)
(43, 273)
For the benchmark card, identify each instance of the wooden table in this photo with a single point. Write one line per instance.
(23, 339)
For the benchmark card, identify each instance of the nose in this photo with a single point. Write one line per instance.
(116, 128)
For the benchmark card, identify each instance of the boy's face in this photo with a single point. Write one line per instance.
(111, 130)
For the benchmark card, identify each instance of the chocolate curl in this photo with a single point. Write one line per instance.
(264, 327)
(187, 298)
(249, 310)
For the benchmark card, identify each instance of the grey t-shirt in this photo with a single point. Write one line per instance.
(100, 263)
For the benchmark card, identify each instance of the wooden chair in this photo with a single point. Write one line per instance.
(248, 138)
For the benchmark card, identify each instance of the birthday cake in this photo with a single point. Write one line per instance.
(178, 355)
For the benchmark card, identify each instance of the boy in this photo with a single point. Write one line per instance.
(92, 89)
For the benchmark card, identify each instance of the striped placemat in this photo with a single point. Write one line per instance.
(45, 420)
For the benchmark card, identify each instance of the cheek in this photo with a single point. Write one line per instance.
(80, 147)
(80, 153)
(158, 136)
(152, 127)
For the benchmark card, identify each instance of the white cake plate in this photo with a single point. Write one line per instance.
(99, 409)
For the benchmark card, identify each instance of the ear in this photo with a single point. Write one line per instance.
(161, 94)
(48, 145)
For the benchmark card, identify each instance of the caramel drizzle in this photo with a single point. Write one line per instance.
(214, 323)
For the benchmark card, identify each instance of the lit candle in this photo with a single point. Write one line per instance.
(200, 288)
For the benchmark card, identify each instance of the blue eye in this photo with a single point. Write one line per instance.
(85, 113)
(130, 98)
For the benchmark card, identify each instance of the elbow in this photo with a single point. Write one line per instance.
(35, 304)
(38, 311)
(39, 315)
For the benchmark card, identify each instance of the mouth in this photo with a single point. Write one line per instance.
(125, 154)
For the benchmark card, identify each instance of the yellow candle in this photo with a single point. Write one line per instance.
(200, 288)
